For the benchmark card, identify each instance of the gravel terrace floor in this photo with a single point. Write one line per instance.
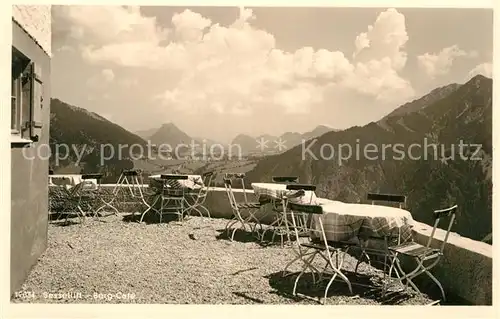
(116, 261)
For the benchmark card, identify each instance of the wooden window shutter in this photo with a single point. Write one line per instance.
(36, 109)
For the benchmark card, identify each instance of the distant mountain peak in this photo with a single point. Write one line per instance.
(479, 77)
(168, 124)
(424, 101)
(320, 126)
(170, 134)
(479, 80)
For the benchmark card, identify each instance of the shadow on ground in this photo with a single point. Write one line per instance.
(245, 236)
(153, 218)
(363, 286)
(69, 218)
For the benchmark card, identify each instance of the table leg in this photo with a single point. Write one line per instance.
(150, 207)
(197, 206)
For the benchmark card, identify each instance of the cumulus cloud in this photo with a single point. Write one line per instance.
(129, 82)
(105, 76)
(64, 48)
(384, 40)
(108, 74)
(110, 24)
(238, 68)
(435, 64)
(485, 69)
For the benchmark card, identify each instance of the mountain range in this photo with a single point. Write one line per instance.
(276, 144)
(431, 177)
(447, 117)
(79, 137)
(170, 134)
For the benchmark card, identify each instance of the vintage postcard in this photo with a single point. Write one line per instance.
(251, 155)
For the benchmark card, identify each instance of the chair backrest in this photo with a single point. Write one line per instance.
(305, 187)
(133, 179)
(229, 192)
(171, 186)
(208, 178)
(239, 177)
(301, 189)
(172, 177)
(307, 219)
(285, 179)
(81, 187)
(97, 176)
(131, 172)
(447, 213)
(393, 198)
(305, 208)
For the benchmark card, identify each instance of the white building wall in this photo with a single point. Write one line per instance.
(36, 21)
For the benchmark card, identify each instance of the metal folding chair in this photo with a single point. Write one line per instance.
(130, 186)
(400, 200)
(200, 195)
(238, 207)
(99, 193)
(83, 192)
(316, 245)
(172, 197)
(423, 254)
(281, 226)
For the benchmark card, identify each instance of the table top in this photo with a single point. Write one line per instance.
(343, 220)
(277, 191)
(363, 210)
(67, 180)
(193, 181)
(158, 176)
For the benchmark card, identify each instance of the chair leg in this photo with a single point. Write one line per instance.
(437, 282)
(360, 260)
(338, 272)
(306, 265)
(109, 204)
(150, 207)
(273, 226)
(421, 268)
(81, 212)
(198, 207)
(232, 234)
(60, 214)
(228, 227)
(408, 277)
(283, 273)
(230, 223)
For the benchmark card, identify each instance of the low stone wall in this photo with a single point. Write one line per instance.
(465, 271)
(58, 200)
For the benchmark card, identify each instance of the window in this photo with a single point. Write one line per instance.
(26, 98)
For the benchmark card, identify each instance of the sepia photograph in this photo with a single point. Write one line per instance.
(251, 155)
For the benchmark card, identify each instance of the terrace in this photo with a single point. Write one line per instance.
(194, 262)
(187, 263)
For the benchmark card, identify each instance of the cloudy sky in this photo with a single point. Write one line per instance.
(216, 72)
